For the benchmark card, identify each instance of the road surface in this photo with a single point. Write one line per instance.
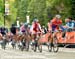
(64, 53)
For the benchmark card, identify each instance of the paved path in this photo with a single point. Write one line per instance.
(64, 53)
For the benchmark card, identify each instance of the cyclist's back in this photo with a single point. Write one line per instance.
(13, 29)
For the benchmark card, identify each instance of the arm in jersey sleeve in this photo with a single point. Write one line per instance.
(72, 25)
(31, 29)
(49, 27)
(60, 22)
(67, 25)
(39, 27)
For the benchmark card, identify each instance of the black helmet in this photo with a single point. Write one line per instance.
(26, 25)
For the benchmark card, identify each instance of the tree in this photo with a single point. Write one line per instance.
(1, 12)
(62, 7)
(73, 9)
(44, 10)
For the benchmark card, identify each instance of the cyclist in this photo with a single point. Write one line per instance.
(35, 30)
(13, 29)
(36, 27)
(57, 23)
(69, 24)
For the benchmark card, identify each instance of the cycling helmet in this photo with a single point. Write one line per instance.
(35, 20)
(58, 16)
(26, 25)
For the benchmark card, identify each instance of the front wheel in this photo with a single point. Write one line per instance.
(27, 46)
(40, 48)
(55, 45)
(34, 48)
(50, 47)
(35, 45)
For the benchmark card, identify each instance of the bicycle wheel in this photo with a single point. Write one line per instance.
(27, 46)
(35, 46)
(40, 47)
(50, 47)
(55, 45)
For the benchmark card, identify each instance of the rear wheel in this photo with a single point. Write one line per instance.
(13, 45)
(22, 48)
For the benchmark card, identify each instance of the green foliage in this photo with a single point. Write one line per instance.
(1, 12)
(73, 9)
(44, 10)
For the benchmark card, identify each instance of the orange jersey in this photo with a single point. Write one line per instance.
(56, 22)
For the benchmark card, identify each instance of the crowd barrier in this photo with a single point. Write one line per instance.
(68, 39)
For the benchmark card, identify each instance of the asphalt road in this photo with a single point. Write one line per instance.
(63, 53)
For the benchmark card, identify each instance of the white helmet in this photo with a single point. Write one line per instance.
(58, 16)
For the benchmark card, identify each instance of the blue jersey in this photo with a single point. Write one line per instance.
(74, 23)
(70, 24)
